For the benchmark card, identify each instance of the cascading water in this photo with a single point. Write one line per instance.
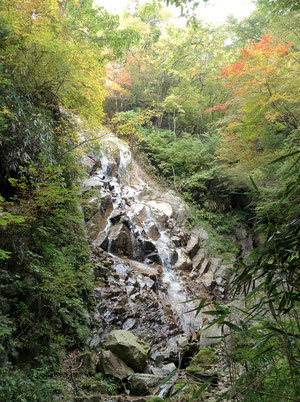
(147, 218)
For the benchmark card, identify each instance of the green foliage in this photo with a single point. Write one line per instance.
(189, 163)
(33, 386)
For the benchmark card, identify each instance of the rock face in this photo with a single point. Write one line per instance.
(126, 346)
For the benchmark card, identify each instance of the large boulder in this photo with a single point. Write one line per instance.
(110, 364)
(119, 240)
(140, 384)
(126, 346)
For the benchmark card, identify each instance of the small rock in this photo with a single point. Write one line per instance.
(128, 324)
(143, 268)
(184, 263)
(140, 384)
(182, 341)
(164, 370)
(204, 266)
(192, 246)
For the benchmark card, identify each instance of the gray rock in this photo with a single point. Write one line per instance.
(198, 259)
(139, 384)
(128, 324)
(160, 356)
(208, 279)
(164, 370)
(183, 263)
(110, 364)
(143, 268)
(119, 240)
(145, 282)
(203, 235)
(95, 341)
(152, 231)
(192, 246)
(204, 266)
(122, 271)
(210, 336)
(182, 341)
(241, 231)
(126, 346)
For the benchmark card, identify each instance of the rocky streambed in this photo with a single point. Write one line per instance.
(146, 266)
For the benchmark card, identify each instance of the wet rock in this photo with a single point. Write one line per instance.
(147, 246)
(154, 257)
(143, 269)
(126, 346)
(110, 364)
(106, 203)
(140, 384)
(152, 231)
(116, 216)
(183, 263)
(177, 241)
(95, 225)
(178, 233)
(112, 169)
(192, 246)
(122, 271)
(129, 324)
(164, 370)
(118, 240)
(145, 282)
(139, 215)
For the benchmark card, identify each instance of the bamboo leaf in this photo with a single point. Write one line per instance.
(253, 292)
(201, 389)
(165, 380)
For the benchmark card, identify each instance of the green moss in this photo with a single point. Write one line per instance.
(202, 361)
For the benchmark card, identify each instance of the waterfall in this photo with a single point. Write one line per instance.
(140, 224)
